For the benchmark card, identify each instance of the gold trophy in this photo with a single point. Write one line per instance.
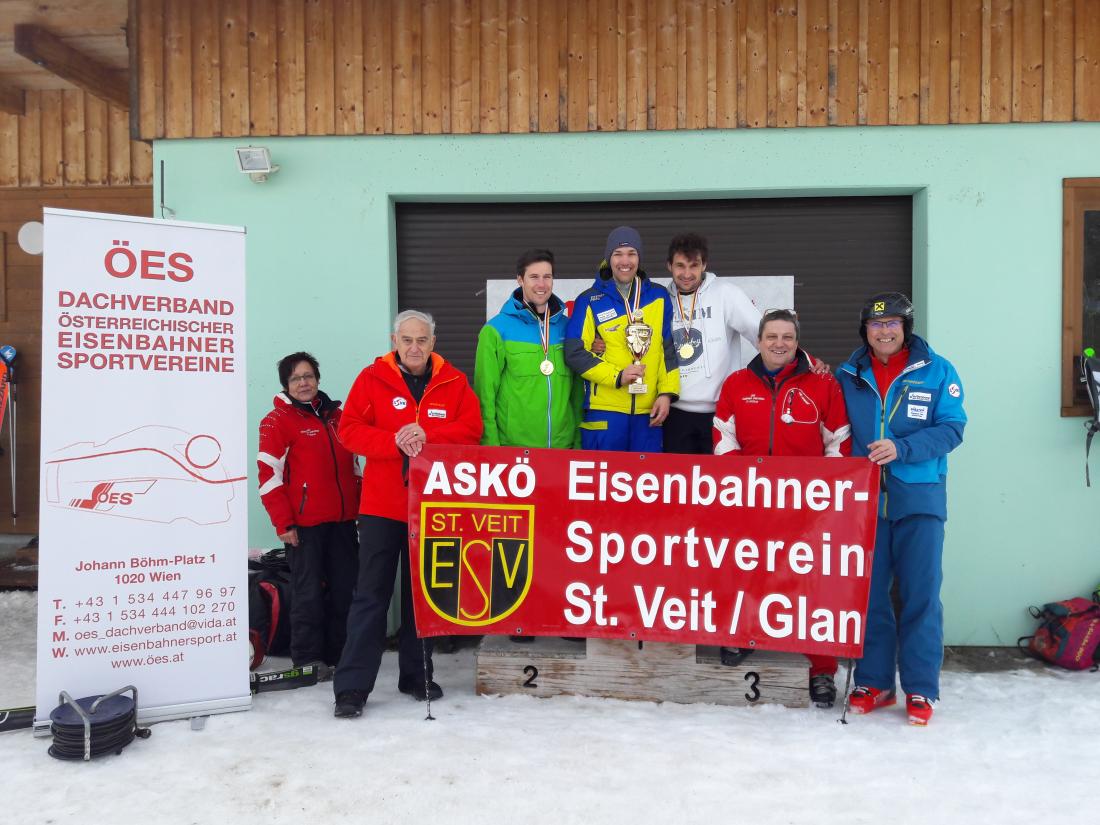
(639, 335)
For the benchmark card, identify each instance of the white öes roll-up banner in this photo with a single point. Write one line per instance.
(143, 513)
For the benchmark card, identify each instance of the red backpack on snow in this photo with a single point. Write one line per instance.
(1068, 634)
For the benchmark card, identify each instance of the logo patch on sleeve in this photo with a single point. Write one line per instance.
(399, 403)
(954, 390)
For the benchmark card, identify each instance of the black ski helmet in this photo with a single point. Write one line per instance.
(884, 305)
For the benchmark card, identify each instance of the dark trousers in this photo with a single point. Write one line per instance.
(383, 545)
(689, 433)
(323, 568)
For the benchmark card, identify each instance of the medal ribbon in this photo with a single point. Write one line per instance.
(685, 319)
(637, 300)
(544, 329)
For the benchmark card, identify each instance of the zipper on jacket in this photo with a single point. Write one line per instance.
(549, 411)
(881, 433)
(305, 492)
(883, 471)
(775, 389)
(427, 389)
(335, 466)
(550, 392)
(883, 418)
(771, 422)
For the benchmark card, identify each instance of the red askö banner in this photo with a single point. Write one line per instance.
(740, 551)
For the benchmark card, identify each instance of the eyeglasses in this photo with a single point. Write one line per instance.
(780, 311)
(878, 326)
(302, 379)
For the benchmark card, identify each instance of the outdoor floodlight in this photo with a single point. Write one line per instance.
(255, 161)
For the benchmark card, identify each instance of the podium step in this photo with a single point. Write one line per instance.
(645, 671)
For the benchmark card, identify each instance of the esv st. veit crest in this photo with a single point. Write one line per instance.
(476, 559)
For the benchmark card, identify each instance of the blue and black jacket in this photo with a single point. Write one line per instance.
(921, 412)
(600, 311)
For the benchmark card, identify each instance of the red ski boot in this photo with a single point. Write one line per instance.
(919, 708)
(866, 699)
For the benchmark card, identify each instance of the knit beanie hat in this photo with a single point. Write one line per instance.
(622, 236)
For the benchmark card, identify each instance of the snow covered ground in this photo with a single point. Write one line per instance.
(1002, 748)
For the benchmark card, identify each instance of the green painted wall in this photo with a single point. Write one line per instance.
(987, 273)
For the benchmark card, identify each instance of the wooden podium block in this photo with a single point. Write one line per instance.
(647, 671)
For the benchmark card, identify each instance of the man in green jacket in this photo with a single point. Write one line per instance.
(529, 397)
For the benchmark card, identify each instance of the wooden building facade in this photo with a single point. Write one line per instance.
(354, 67)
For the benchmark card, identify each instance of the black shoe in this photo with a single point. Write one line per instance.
(414, 686)
(349, 704)
(823, 690)
(523, 640)
(733, 656)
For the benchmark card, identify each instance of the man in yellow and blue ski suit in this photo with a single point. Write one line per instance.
(614, 418)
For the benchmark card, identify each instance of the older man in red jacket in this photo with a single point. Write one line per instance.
(778, 406)
(407, 398)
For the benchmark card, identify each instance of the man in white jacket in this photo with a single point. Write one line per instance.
(710, 315)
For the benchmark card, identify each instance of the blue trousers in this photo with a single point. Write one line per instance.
(911, 551)
(623, 432)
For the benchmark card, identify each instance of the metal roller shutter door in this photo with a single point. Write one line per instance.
(840, 251)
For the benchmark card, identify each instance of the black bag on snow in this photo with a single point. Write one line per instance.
(269, 595)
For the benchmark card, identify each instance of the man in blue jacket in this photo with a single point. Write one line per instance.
(905, 404)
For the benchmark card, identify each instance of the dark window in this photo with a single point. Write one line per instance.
(1080, 287)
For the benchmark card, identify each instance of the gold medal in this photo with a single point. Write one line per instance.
(547, 366)
(687, 349)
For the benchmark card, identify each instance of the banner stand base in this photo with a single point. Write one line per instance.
(191, 711)
(645, 671)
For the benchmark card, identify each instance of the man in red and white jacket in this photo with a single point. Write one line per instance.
(309, 485)
(404, 400)
(778, 406)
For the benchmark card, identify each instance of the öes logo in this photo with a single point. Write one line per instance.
(122, 262)
(102, 494)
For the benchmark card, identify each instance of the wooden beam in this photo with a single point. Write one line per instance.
(46, 50)
(12, 101)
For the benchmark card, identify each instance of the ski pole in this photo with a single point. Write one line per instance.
(8, 354)
(11, 439)
(847, 695)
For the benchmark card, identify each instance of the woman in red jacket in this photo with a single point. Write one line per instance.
(309, 485)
